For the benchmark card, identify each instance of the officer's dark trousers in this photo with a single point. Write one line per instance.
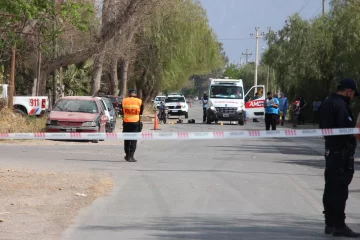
(130, 145)
(204, 114)
(335, 195)
(270, 120)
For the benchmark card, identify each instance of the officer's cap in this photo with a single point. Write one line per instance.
(349, 83)
(132, 91)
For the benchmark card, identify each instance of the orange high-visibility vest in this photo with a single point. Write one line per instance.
(131, 107)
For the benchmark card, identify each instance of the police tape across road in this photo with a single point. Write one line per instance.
(182, 135)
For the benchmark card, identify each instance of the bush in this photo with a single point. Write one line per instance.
(11, 122)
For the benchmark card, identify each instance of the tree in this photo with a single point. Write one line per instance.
(176, 44)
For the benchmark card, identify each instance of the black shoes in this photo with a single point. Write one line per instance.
(130, 157)
(341, 232)
(329, 230)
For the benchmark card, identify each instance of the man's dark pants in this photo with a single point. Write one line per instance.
(336, 192)
(315, 117)
(270, 120)
(204, 114)
(130, 145)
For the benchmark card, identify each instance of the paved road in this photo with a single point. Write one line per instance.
(199, 190)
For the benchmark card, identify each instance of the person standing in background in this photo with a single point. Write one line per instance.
(295, 111)
(271, 106)
(283, 106)
(316, 107)
(301, 117)
(204, 101)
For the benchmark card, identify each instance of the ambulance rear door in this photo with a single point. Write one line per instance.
(255, 107)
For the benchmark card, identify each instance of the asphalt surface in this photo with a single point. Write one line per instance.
(199, 190)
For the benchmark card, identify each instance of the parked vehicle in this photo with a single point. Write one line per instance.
(27, 105)
(116, 102)
(77, 114)
(227, 101)
(157, 101)
(111, 124)
(177, 105)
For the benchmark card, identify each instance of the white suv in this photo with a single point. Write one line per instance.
(177, 105)
(157, 101)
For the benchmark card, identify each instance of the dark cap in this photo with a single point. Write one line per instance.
(349, 83)
(268, 93)
(132, 91)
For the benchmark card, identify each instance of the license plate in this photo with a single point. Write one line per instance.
(71, 129)
(174, 110)
(225, 115)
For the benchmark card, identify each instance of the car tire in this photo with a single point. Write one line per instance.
(19, 112)
(208, 121)
(216, 122)
(241, 122)
(186, 115)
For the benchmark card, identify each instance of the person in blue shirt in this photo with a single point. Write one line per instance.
(204, 101)
(271, 106)
(283, 106)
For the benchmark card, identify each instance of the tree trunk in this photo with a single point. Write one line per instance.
(114, 80)
(97, 72)
(42, 84)
(12, 79)
(124, 77)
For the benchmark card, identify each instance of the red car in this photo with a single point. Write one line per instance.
(77, 114)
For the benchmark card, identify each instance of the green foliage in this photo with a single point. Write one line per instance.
(247, 74)
(48, 19)
(177, 44)
(77, 79)
(310, 57)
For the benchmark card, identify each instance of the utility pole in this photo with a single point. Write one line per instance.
(267, 78)
(247, 56)
(12, 79)
(257, 36)
(323, 8)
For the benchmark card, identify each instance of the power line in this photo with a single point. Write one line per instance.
(316, 11)
(233, 39)
(304, 5)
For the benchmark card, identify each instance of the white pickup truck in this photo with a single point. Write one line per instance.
(26, 105)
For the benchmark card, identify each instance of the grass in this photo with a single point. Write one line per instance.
(11, 123)
(148, 109)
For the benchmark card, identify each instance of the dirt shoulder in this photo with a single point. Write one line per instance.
(41, 205)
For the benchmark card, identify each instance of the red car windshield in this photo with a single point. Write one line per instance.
(76, 105)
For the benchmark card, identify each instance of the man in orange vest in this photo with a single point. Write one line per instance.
(132, 109)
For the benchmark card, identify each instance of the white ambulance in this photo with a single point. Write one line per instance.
(227, 102)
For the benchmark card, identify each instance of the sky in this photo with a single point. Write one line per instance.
(234, 20)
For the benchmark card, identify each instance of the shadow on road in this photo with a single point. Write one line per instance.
(214, 227)
(286, 150)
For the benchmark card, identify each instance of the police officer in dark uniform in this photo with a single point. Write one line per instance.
(339, 157)
(132, 109)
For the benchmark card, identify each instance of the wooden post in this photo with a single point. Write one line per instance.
(12, 79)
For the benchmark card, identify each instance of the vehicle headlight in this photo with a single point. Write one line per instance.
(89, 124)
(48, 121)
(183, 106)
(213, 108)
